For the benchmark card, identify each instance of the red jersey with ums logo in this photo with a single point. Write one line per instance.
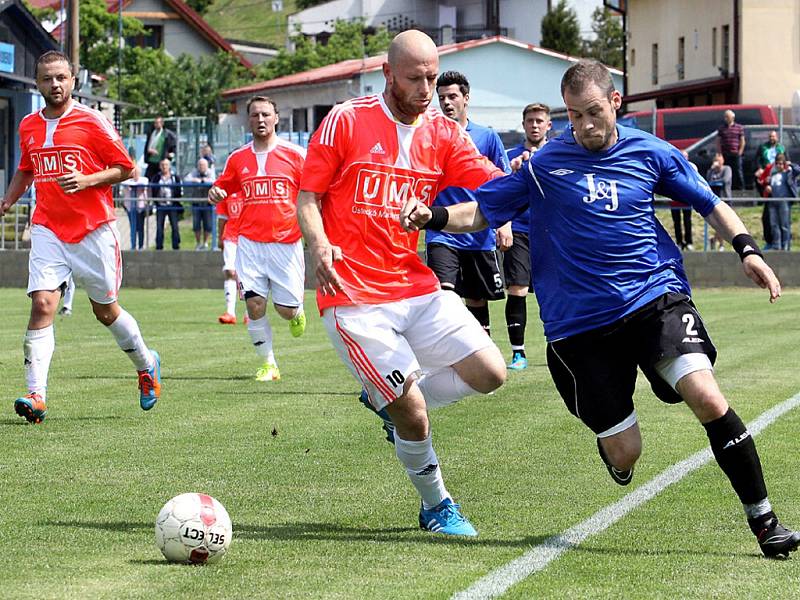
(366, 165)
(268, 183)
(83, 140)
(231, 209)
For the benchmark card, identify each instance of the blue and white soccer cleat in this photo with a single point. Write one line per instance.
(446, 518)
(518, 362)
(150, 383)
(388, 426)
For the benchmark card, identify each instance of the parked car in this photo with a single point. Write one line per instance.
(684, 126)
(702, 152)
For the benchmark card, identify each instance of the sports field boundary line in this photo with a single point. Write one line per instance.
(499, 581)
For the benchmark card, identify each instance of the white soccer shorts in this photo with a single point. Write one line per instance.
(228, 255)
(95, 262)
(385, 344)
(267, 267)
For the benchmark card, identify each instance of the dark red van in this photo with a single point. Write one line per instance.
(684, 126)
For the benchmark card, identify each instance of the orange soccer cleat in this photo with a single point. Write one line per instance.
(227, 319)
(31, 407)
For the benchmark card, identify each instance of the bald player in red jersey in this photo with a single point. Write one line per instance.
(269, 255)
(73, 155)
(410, 345)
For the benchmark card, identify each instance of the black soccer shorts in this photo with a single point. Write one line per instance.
(517, 261)
(473, 274)
(595, 372)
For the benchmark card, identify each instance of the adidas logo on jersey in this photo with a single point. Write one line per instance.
(30, 140)
(377, 149)
(245, 171)
(561, 172)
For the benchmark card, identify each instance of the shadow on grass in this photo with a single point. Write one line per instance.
(645, 552)
(321, 532)
(128, 376)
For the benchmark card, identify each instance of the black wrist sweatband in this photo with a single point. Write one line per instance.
(438, 220)
(745, 245)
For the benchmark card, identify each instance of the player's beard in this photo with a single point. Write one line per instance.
(405, 106)
(59, 103)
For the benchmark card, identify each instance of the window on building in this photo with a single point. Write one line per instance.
(153, 37)
(681, 57)
(726, 48)
(299, 119)
(654, 79)
(713, 46)
(633, 57)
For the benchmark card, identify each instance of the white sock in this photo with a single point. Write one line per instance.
(443, 387)
(230, 296)
(261, 334)
(69, 293)
(38, 347)
(125, 330)
(422, 467)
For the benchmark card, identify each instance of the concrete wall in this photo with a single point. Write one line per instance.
(769, 45)
(193, 270)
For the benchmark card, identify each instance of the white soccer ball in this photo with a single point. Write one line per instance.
(193, 528)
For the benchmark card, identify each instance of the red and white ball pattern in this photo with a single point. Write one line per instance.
(193, 528)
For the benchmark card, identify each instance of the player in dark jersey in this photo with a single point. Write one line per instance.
(517, 259)
(611, 286)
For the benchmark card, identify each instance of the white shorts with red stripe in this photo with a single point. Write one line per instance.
(271, 267)
(385, 344)
(95, 262)
(229, 255)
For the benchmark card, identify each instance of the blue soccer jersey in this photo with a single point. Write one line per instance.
(598, 251)
(489, 144)
(520, 223)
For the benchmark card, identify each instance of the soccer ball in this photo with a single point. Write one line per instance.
(193, 528)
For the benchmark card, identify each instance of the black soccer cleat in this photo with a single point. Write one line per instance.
(775, 540)
(620, 477)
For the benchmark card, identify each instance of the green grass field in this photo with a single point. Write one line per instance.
(320, 506)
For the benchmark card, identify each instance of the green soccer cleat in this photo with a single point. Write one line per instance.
(297, 326)
(268, 372)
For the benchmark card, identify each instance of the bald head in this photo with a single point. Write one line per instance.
(412, 46)
(410, 70)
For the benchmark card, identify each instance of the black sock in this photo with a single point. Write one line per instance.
(516, 319)
(481, 313)
(735, 451)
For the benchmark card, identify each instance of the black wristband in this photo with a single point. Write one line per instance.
(438, 220)
(745, 245)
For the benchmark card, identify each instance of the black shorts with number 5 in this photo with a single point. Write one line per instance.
(473, 274)
(595, 372)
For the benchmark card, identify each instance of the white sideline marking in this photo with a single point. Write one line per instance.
(537, 558)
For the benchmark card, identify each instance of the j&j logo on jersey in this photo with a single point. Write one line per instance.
(561, 172)
(52, 163)
(602, 190)
(266, 189)
(391, 190)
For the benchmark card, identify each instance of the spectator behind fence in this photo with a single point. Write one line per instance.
(202, 212)
(208, 153)
(135, 190)
(778, 181)
(161, 143)
(682, 214)
(719, 177)
(731, 143)
(167, 187)
(765, 156)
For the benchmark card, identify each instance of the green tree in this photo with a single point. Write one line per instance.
(199, 6)
(560, 30)
(348, 40)
(608, 38)
(99, 31)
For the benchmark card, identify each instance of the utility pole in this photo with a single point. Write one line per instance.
(74, 34)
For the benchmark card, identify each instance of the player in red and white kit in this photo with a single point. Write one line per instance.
(410, 345)
(228, 212)
(269, 256)
(73, 155)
